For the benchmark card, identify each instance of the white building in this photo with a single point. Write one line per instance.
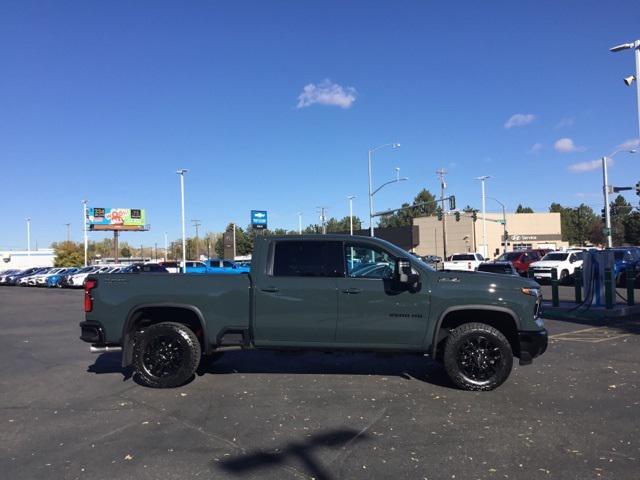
(21, 259)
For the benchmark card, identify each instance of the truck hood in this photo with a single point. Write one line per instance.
(547, 263)
(485, 280)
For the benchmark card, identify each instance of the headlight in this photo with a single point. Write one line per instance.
(534, 292)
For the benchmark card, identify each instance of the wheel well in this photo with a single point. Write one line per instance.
(148, 316)
(501, 321)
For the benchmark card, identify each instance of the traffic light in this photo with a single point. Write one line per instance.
(604, 216)
(638, 188)
(474, 215)
(452, 202)
(457, 216)
(439, 213)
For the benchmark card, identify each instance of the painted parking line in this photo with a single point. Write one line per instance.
(590, 335)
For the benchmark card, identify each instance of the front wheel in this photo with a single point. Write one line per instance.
(166, 355)
(477, 357)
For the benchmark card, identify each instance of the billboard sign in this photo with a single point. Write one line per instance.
(100, 218)
(259, 219)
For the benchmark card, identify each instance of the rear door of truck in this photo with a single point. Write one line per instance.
(296, 295)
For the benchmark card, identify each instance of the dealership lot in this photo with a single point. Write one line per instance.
(68, 414)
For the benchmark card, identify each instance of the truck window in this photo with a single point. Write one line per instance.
(308, 259)
(364, 261)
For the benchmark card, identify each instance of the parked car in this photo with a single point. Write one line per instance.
(504, 268)
(217, 265)
(77, 280)
(65, 279)
(624, 258)
(196, 267)
(40, 280)
(30, 280)
(6, 274)
(14, 278)
(54, 280)
(463, 261)
(564, 262)
(302, 293)
(520, 259)
(144, 268)
(172, 267)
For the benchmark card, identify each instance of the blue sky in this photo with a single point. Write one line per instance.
(105, 100)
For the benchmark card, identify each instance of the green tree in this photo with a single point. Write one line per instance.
(68, 254)
(522, 209)
(632, 228)
(125, 251)
(405, 217)
(620, 210)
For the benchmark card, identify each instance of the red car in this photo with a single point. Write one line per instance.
(520, 259)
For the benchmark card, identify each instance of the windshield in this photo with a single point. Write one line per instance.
(555, 256)
(619, 255)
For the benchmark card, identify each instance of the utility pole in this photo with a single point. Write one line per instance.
(29, 237)
(299, 223)
(155, 251)
(166, 248)
(441, 173)
(181, 172)
(84, 223)
(197, 223)
(323, 219)
(68, 232)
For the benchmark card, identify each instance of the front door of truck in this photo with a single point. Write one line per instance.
(296, 301)
(371, 309)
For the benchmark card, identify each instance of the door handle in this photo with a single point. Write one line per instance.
(352, 291)
(270, 289)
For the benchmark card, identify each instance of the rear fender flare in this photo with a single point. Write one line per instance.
(127, 329)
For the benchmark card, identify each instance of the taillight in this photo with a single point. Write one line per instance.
(469, 266)
(88, 300)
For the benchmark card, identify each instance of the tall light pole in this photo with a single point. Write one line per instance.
(28, 237)
(68, 225)
(299, 223)
(84, 224)
(629, 80)
(166, 247)
(484, 215)
(504, 222)
(371, 192)
(181, 172)
(606, 190)
(350, 198)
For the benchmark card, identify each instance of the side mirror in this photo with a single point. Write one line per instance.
(405, 274)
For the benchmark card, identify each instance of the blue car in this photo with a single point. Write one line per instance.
(624, 258)
(55, 279)
(217, 265)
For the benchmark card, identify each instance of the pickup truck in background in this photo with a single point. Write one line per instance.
(463, 261)
(318, 292)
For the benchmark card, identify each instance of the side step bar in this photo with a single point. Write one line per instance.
(105, 349)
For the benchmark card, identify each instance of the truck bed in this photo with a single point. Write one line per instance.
(221, 301)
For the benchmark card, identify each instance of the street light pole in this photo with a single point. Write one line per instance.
(629, 80)
(181, 172)
(299, 223)
(166, 247)
(84, 224)
(371, 192)
(28, 237)
(350, 198)
(504, 222)
(484, 215)
(606, 190)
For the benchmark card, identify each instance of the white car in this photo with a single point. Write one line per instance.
(77, 280)
(463, 261)
(564, 262)
(40, 280)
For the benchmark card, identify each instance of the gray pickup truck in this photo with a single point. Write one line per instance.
(329, 292)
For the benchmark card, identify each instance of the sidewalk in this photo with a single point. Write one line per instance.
(571, 311)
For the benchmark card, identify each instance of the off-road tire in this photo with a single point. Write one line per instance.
(564, 277)
(456, 357)
(178, 361)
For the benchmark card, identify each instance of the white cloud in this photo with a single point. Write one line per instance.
(588, 166)
(629, 144)
(565, 122)
(536, 147)
(519, 120)
(327, 93)
(566, 145)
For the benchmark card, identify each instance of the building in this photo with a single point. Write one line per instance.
(524, 230)
(21, 259)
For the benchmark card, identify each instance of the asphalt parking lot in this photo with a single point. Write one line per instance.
(65, 413)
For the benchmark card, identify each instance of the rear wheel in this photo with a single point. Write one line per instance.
(166, 355)
(477, 357)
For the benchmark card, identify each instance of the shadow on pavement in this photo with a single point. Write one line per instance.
(110, 362)
(406, 366)
(303, 452)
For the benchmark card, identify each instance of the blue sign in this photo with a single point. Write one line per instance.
(259, 219)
